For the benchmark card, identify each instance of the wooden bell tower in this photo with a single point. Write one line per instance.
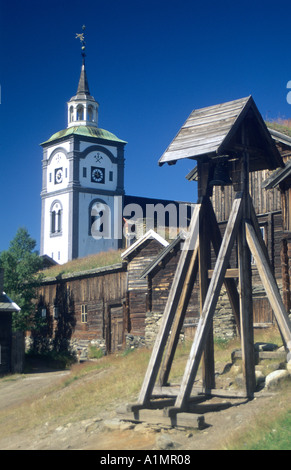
(228, 141)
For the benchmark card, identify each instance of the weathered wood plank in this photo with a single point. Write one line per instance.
(229, 274)
(208, 368)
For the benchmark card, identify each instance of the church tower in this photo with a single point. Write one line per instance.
(82, 175)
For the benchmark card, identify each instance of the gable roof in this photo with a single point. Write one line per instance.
(7, 305)
(278, 176)
(151, 234)
(280, 137)
(166, 254)
(216, 130)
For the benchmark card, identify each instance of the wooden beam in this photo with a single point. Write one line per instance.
(210, 304)
(230, 273)
(208, 367)
(270, 285)
(246, 312)
(170, 308)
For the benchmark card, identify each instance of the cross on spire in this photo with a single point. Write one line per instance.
(83, 44)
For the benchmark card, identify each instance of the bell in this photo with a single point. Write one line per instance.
(220, 175)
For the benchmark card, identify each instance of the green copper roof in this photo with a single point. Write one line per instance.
(86, 131)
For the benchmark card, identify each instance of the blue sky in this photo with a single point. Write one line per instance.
(149, 64)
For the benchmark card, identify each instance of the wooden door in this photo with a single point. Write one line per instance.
(116, 328)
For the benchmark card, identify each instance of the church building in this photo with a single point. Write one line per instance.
(82, 175)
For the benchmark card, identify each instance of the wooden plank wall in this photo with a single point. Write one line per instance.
(96, 291)
(160, 287)
(264, 201)
(137, 287)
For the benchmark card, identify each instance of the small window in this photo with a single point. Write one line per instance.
(43, 312)
(56, 312)
(50, 177)
(110, 175)
(84, 172)
(66, 172)
(80, 113)
(84, 313)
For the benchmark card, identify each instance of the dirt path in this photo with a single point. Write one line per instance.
(107, 432)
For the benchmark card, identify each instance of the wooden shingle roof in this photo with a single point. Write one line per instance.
(217, 130)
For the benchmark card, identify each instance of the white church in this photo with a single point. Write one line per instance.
(82, 171)
(83, 184)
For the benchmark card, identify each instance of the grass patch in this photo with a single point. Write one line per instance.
(88, 263)
(281, 125)
(272, 428)
(95, 353)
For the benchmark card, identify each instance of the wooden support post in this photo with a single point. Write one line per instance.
(245, 276)
(246, 311)
(170, 308)
(208, 367)
(209, 304)
(270, 286)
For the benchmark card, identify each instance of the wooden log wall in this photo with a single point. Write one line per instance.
(86, 294)
(138, 298)
(263, 201)
(160, 287)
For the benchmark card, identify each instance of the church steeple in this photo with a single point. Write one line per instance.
(83, 86)
(83, 108)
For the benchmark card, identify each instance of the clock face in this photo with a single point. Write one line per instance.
(58, 175)
(97, 175)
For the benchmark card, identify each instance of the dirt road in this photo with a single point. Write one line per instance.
(107, 432)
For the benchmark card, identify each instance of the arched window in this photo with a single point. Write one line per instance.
(71, 114)
(90, 113)
(56, 218)
(80, 113)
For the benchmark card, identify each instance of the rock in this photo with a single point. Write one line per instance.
(111, 423)
(265, 347)
(126, 426)
(164, 442)
(274, 379)
(288, 367)
(260, 378)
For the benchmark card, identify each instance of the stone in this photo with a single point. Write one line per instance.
(164, 442)
(288, 367)
(111, 424)
(274, 379)
(265, 347)
(260, 378)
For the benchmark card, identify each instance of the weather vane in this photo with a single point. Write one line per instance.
(82, 40)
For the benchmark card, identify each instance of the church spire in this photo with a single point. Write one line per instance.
(83, 86)
(82, 108)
